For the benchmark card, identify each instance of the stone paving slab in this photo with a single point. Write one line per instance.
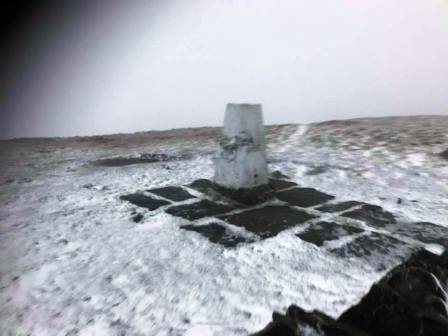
(218, 234)
(379, 250)
(376, 249)
(373, 215)
(256, 195)
(202, 185)
(338, 207)
(268, 221)
(303, 197)
(319, 233)
(144, 201)
(203, 208)
(278, 184)
(251, 196)
(175, 194)
(425, 232)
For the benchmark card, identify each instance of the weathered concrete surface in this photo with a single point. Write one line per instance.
(144, 201)
(241, 162)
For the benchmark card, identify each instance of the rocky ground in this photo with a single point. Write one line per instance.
(126, 234)
(410, 300)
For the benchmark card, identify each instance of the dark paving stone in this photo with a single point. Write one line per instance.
(379, 250)
(372, 214)
(256, 195)
(320, 232)
(269, 220)
(217, 234)
(253, 196)
(198, 210)
(272, 158)
(143, 158)
(277, 184)
(176, 194)
(366, 245)
(144, 201)
(303, 197)
(423, 231)
(337, 207)
(202, 185)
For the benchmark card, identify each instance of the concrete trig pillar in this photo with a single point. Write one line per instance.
(241, 162)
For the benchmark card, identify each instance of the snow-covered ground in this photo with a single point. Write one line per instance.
(74, 263)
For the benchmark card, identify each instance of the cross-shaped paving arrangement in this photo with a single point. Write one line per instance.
(233, 217)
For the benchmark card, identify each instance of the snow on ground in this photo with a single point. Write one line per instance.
(74, 263)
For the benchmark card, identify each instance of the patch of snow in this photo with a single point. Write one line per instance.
(73, 261)
(435, 248)
(416, 159)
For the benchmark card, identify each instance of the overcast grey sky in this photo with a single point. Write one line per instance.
(124, 66)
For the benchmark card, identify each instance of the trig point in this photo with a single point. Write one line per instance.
(241, 163)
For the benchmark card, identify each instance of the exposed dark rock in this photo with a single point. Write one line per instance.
(320, 232)
(317, 170)
(143, 158)
(410, 300)
(144, 201)
(217, 233)
(269, 220)
(337, 207)
(24, 180)
(297, 322)
(96, 138)
(444, 154)
(176, 194)
(373, 215)
(198, 210)
(137, 218)
(377, 249)
(272, 158)
(303, 197)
